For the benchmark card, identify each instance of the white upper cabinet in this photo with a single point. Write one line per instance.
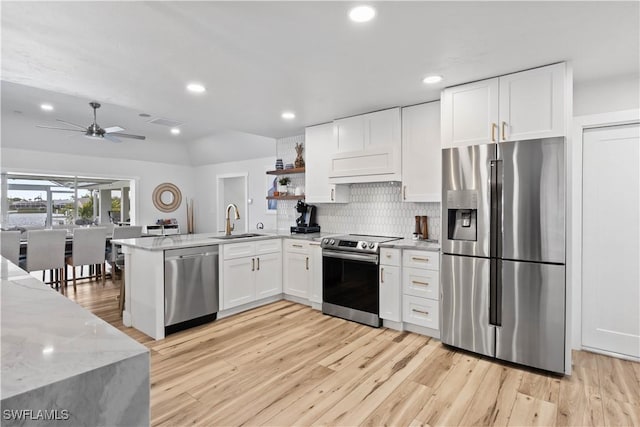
(532, 103)
(526, 105)
(421, 153)
(320, 145)
(369, 148)
(470, 114)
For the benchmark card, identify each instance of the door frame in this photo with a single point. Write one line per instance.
(575, 172)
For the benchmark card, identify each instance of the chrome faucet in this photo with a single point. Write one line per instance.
(228, 227)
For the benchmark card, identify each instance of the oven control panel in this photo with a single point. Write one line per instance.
(350, 245)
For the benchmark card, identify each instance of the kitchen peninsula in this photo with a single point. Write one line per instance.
(61, 365)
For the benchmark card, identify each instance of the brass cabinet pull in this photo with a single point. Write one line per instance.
(426, 313)
(307, 262)
(415, 258)
(253, 264)
(404, 193)
(388, 255)
(258, 268)
(381, 274)
(332, 190)
(504, 134)
(494, 127)
(415, 282)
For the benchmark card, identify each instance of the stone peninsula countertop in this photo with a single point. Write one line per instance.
(422, 245)
(177, 241)
(47, 338)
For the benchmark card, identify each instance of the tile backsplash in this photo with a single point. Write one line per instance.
(373, 208)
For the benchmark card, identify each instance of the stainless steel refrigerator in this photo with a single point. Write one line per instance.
(503, 244)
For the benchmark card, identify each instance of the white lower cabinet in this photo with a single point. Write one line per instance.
(421, 290)
(390, 294)
(298, 268)
(250, 278)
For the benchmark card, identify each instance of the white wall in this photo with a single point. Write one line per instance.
(229, 146)
(207, 209)
(608, 95)
(147, 176)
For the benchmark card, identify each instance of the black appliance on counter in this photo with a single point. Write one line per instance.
(350, 273)
(306, 222)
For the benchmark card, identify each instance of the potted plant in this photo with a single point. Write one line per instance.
(282, 185)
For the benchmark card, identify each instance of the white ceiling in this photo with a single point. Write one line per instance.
(260, 58)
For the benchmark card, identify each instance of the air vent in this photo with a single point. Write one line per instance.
(165, 122)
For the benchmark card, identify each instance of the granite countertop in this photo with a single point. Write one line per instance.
(423, 245)
(47, 338)
(177, 241)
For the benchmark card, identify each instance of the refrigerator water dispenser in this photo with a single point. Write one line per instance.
(462, 215)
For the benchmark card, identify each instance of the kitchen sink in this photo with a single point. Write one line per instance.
(239, 236)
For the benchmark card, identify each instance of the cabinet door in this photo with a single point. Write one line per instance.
(382, 128)
(316, 273)
(296, 274)
(349, 134)
(268, 275)
(470, 114)
(390, 293)
(320, 145)
(421, 153)
(238, 283)
(532, 103)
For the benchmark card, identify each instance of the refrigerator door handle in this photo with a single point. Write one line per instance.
(495, 292)
(495, 243)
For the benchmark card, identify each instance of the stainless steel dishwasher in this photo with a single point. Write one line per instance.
(190, 287)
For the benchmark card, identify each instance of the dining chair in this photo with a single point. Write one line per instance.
(88, 249)
(116, 258)
(45, 251)
(10, 246)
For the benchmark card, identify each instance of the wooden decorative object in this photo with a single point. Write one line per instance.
(299, 163)
(174, 192)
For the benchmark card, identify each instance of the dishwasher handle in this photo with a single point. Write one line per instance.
(178, 257)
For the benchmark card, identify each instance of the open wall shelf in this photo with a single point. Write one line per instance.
(285, 171)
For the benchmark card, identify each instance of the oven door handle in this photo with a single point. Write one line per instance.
(371, 258)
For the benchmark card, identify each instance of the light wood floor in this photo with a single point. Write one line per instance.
(285, 364)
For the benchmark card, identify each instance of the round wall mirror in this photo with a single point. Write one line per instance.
(167, 197)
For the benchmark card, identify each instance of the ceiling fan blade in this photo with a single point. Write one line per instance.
(126, 135)
(112, 138)
(84, 128)
(113, 129)
(57, 128)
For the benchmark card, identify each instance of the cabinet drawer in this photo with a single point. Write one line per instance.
(291, 245)
(268, 246)
(420, 311)
(421, 283)
(421, 259)
(390, 256)
(239, 250)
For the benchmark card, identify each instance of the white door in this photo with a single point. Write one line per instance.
(268, 275)
(421, 153)
(470, 114)
(532, 103)
(610, 240)
(296, 280)
(239, 282)
(390, 293)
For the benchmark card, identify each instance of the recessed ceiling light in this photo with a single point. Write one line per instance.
(362, 13)
(175, 131)
(195, 88)
(288, 115)
(432, 79)
(46, 107)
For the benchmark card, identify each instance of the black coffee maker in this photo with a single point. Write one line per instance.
(306, 222)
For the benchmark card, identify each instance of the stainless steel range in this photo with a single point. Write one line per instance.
(350, 287)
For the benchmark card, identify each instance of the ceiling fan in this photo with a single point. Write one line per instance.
(94, 130)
